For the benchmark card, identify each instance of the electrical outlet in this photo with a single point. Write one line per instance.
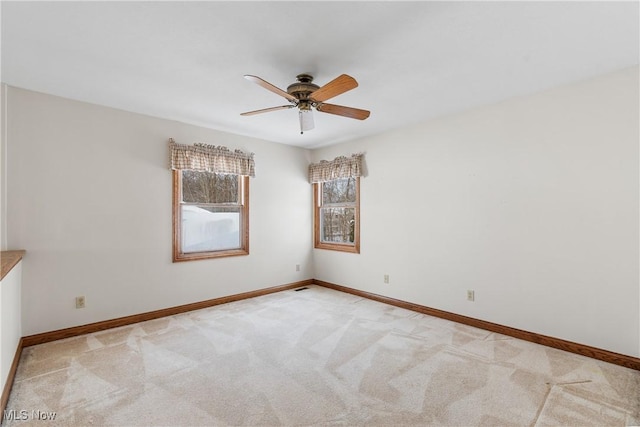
(80, 302)
(471, 295)
(386, 278)
(297, 267)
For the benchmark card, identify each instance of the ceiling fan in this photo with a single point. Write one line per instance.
(306, 95)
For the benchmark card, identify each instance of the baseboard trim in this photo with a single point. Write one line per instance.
(11, 376)
(136, 318)
(572, 347)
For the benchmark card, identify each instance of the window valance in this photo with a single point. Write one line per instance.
(340, 167)
(205, 157)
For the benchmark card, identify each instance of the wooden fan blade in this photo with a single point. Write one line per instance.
(353, 113)
(335, 87)
(266, 110)
(265, 84)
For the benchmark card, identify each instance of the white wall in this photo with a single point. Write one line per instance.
(533, 203)
(10, 324)
(89, 197)
(3, 168)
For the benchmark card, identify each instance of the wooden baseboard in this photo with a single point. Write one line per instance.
(136, 318)
(572, 347)
(10, 377)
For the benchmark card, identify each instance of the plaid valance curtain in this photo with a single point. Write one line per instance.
(204, 157)
(340, 167)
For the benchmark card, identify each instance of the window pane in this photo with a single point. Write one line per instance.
(210, 228)
(208, 187)
(337, 225)
(339, 191)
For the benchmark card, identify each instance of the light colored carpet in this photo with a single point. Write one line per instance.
(315, 357)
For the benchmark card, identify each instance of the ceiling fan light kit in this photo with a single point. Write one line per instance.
(306, 95)
(306, 120)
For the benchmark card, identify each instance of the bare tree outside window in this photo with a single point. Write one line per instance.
(209, 187)
(338, 220)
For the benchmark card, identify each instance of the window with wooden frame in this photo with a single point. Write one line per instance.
(210, 201)
(337, 214)
(211, 215)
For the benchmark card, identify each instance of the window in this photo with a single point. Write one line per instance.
(337, 214)
(210, 215)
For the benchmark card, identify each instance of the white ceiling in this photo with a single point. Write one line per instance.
(413, 60)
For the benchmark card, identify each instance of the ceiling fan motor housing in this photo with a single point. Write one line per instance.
(303, 87)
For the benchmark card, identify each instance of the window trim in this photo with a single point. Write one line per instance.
(333, 246)
(178, 255)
